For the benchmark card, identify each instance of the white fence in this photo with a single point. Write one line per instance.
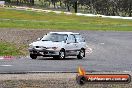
(2, 2)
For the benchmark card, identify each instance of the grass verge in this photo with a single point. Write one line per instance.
(40, 20)
(8, 49)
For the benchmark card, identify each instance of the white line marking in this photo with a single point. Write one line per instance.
(89, 50)
(68, 13)
(127, 71)
(102, 43)
(5, 65)
(1, 58)
(6, 58)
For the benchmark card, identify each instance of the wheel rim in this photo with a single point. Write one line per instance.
(62, 54)
(82, 53)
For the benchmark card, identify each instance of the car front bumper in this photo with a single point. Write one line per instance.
(43, 52)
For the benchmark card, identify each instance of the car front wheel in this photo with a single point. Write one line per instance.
(62, 54)
(33, 56)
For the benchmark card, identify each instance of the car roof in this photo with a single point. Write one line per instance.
(64, 32)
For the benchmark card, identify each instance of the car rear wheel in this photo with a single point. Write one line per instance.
(81, 54)
(33, 56)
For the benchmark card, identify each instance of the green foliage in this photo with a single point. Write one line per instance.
(9, 49)
(41, 20)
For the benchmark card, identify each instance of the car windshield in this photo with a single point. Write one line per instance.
(54, 37)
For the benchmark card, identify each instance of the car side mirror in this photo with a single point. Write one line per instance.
(39, 39)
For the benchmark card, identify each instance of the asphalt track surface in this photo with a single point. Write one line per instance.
(107, 52)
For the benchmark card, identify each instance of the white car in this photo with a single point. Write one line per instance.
(58, 45)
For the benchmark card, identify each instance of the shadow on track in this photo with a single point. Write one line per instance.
(50, 58)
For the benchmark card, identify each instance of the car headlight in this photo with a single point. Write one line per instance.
(31, 46)
(54, 48)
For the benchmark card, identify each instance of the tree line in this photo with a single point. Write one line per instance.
(104, 7)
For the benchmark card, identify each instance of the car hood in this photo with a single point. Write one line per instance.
(47, 44)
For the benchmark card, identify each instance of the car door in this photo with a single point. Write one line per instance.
(80, 41)
(71, 45)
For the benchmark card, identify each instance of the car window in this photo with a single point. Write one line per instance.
(79, 38)
(71, 39)
(54, 37)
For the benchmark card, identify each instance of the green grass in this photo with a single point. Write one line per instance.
(41, 20)
(9, 49)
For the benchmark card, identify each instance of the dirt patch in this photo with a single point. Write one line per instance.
(20, 36)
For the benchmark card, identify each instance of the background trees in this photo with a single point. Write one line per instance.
(104, 7)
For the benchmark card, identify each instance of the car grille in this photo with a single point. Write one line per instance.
(40, 47)
(37, 47)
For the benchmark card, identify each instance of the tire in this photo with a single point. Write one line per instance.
(33, 56)
(81, 54)
(62, 54)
